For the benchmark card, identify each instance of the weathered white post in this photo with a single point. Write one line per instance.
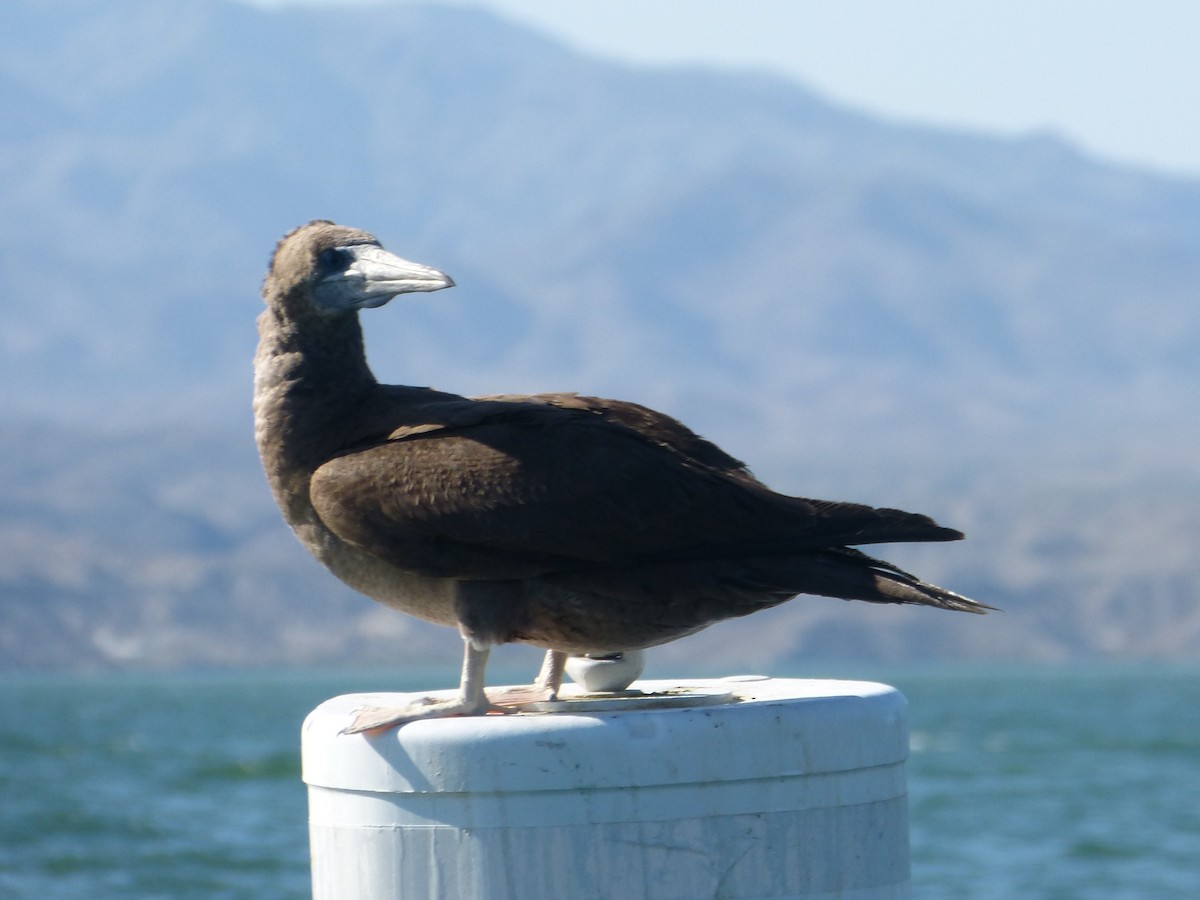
(740, 787)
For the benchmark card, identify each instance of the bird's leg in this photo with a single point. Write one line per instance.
(544, 687)
(470, 685)
(471, 699)
(549, 679)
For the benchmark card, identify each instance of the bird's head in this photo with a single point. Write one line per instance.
(331, 270)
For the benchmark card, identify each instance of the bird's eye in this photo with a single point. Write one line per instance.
(332, 261)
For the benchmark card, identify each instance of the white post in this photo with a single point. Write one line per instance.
(741, 787)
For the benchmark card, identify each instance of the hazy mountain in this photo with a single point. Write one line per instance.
(999, 332)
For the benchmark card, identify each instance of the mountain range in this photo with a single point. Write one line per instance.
(999, 332)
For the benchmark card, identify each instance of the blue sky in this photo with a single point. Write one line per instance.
(1121, 78)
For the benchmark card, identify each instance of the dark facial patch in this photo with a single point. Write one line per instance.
(332, 261)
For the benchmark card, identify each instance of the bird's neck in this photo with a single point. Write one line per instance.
(310, 380)
(326, 355)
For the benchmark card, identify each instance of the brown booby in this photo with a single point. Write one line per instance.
(577, 524)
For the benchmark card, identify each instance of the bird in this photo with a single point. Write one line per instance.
(578, 524)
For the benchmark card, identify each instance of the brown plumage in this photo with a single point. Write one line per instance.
(573, 523)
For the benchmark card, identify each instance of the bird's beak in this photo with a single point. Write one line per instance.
(373, 277)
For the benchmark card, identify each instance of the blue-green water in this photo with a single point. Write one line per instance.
(1029, 784)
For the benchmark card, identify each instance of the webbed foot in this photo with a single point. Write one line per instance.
(375, 718)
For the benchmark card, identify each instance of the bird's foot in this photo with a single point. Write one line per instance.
(512, 698)
(375, 718)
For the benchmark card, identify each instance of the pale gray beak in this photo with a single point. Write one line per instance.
(367, 276)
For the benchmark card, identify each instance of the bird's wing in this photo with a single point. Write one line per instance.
(502, 489)
(652, 425)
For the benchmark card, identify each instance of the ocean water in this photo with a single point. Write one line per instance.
(1023, 783)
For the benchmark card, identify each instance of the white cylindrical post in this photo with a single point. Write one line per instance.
(741, 787)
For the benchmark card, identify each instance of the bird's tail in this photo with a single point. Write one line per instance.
(851, 575)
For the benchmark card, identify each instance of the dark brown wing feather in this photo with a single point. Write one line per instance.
(656, 427)
(513, 487)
